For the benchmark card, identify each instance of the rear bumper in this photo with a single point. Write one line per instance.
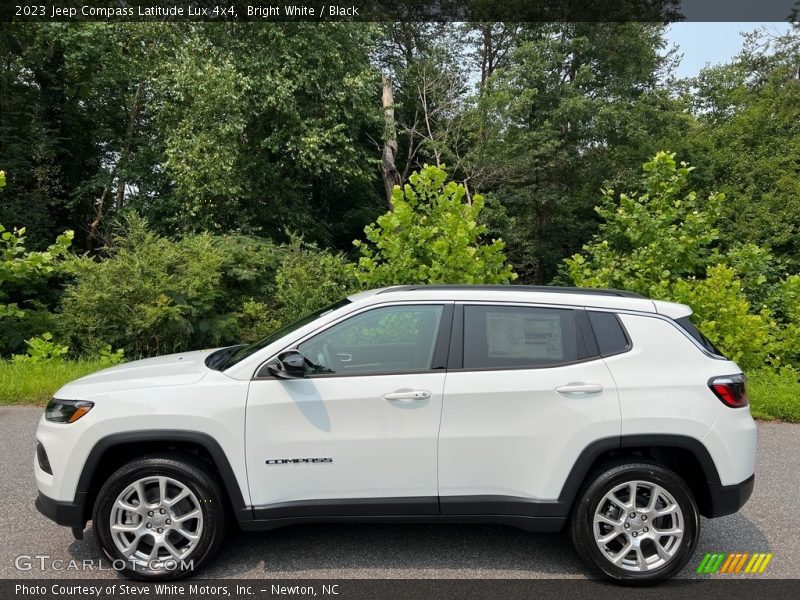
(69, 514)
(727, 499)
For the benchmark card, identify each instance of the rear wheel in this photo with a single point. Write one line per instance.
(636, 522)
(160, 516)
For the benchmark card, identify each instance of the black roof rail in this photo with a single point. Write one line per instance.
(516, 288)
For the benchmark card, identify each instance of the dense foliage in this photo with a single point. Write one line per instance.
(151, 295)
(661, 243)
(431, 235)
(216, 176)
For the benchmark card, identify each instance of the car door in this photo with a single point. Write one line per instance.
(526, 392)
(358, 434)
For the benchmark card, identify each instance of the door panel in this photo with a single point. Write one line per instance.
(363, 424)
(510, 431)
(378, 448)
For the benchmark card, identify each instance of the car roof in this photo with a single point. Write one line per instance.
(565, 296)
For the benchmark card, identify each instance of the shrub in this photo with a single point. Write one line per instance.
(24, 276)
(148, 297)
(787, 306)
(306, 280)
(152, 295)
(310, 278)
(431, 235)
(724, 314)
(660, 243)
(42, 349)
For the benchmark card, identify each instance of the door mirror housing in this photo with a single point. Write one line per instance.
(288, 365)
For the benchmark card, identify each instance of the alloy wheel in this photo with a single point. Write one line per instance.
(156, 522)
(638, 526)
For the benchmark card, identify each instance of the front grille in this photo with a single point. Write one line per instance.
(44, 462)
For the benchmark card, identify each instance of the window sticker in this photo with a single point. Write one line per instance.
(532, 335)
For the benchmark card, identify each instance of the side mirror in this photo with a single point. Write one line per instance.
(288, 365)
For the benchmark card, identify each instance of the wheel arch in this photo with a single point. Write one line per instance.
(686, 456)
(112, 451)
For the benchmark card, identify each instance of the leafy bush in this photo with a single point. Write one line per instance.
(306, 280)
(432, 235)
(153, 295)
(786, 303)
(310, 278)
(725, 316)
(20, 269)
(42, 349)
(660, 243)
(148, 297)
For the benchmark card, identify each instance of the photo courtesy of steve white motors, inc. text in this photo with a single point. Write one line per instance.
(170, 589)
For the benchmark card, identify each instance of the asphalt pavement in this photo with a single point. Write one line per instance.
(769, 522)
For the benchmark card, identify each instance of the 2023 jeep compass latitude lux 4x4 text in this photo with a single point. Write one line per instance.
(597, 411)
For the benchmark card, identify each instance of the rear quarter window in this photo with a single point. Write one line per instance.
(689, 327)
(610, 335)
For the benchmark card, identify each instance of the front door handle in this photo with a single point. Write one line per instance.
(580, 388)
(407, 396)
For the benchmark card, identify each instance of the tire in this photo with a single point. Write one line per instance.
(182, 521)
(597, 518)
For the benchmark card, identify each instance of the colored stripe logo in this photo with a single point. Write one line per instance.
(734, 562)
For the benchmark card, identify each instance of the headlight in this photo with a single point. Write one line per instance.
(66, 411)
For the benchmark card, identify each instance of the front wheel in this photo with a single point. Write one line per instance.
(159, 517)
(636, 522)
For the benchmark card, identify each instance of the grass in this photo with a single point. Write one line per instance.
(35, 382)
(772, 395)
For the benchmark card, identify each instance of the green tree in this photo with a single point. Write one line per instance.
(265, 127)
(561, 112)
(661, 243)
(749, 140)
(647, 241)
(432, 235)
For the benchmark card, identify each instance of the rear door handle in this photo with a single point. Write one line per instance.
(407, 396)
(580, 388)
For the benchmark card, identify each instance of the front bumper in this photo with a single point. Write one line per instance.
(69, 514)
(727, 499)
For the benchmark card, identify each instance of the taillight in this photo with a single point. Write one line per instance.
(730, 389)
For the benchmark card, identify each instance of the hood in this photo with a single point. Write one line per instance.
(173, 369)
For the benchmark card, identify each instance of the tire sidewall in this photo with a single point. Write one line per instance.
(200, 483)
(583, 533)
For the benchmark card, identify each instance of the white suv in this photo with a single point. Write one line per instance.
(534, 407)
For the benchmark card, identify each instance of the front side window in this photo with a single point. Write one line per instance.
(394, 339)
(231, 356)
(518, 337)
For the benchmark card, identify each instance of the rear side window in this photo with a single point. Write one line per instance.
(608, 331)
(689, 327)
(518, 337)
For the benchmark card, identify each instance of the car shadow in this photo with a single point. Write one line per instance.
(378, 550)
(424, 550)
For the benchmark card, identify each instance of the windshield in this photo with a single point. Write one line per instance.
(227, 357)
